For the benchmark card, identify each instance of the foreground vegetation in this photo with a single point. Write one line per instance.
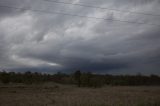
(78, 89)
(51, 94)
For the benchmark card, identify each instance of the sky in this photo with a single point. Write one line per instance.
(102, 36)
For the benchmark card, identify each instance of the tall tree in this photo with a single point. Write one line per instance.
(77, 76)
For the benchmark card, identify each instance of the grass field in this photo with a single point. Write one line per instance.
(64, 95)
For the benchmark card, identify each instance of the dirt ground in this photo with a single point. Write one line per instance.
(65, 95)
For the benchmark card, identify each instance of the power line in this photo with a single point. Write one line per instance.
(104, 8)
(75, 15)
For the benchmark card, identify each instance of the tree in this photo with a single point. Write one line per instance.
(28, 77)
(5, 78)
(77, 76)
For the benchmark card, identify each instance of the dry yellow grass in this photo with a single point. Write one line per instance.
(61, 95)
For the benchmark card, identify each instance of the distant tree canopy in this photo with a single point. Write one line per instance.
(85, 79)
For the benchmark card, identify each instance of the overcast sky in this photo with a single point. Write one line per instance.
(49, 42)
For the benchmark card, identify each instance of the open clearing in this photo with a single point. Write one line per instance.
(64, 95)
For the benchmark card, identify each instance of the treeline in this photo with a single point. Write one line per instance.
(81, 79)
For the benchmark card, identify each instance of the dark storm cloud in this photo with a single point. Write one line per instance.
(39, 41)
(8, 11)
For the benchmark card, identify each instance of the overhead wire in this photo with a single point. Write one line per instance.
(104, 8)
(75, 15)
